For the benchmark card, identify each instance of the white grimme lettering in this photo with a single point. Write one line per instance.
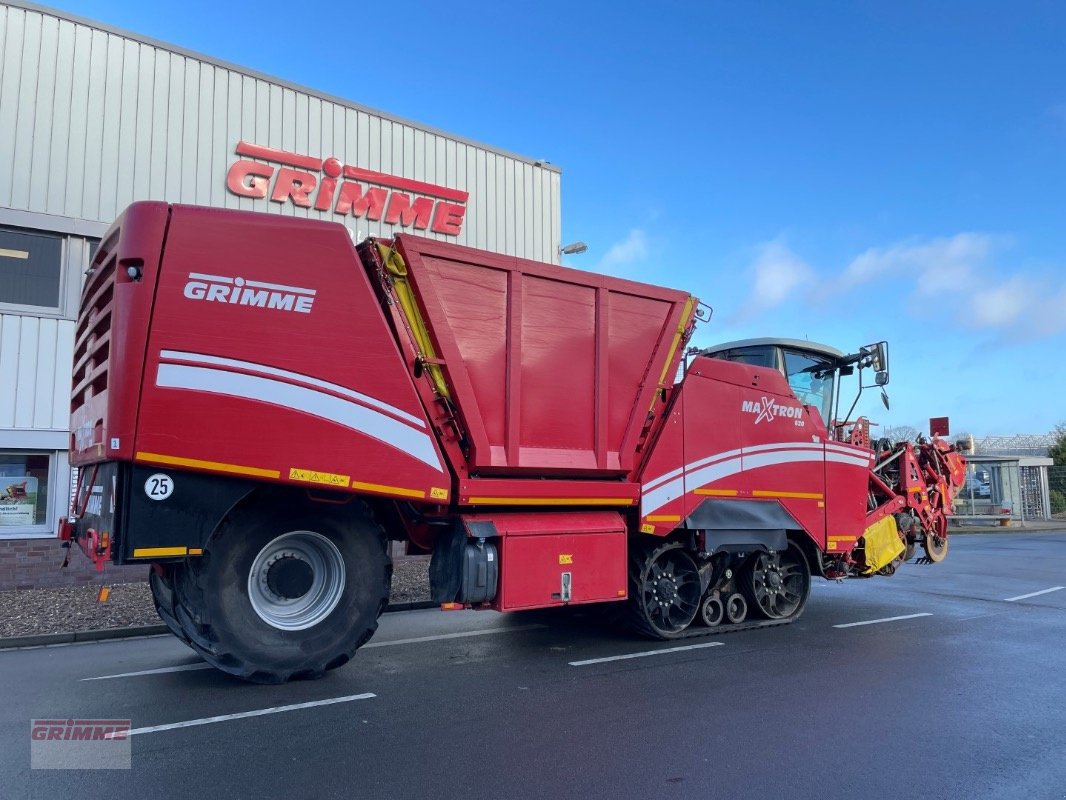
(235, 291)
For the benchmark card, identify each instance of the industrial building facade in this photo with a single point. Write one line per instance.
(92, 119)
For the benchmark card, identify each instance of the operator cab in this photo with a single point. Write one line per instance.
(811, 368)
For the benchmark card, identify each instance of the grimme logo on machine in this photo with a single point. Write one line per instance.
(241, 292)
(767, 410)
(329, 185)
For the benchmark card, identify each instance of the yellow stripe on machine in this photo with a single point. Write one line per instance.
(159, 552)
(796, 495)
(399, 491)
(682, 326)
(717, 492)
(214, 466)
(663, 518)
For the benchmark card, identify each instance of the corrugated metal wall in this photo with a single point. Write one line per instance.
(36, 353)
(91, 120)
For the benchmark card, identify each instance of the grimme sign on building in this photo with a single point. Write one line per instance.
(329, 185)
(93, 118)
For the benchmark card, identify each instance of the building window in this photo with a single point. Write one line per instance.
(30, 268)
(23, 490)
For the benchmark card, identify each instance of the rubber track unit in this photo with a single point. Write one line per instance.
(696, 631)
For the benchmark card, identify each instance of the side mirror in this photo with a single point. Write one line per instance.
(884, 399)
(878, 356)
(881, 378)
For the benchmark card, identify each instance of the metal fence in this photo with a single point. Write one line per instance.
(1056, 481)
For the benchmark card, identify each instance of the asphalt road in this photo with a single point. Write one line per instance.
(968, 701)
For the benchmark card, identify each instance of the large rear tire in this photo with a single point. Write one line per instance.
(160, 579)
(278, 597)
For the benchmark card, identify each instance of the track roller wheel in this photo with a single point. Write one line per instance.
(712, 611)
(283, 596)
(664, 595)
(777, 585)
(736, 608)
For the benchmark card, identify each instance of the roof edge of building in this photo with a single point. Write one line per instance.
(281, 82)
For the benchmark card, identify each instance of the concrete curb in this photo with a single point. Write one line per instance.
(104, 634)
(43, 639)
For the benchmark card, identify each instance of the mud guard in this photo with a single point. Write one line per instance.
(740, 526)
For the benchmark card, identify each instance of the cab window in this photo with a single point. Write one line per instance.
(811, 380)
(763, 356)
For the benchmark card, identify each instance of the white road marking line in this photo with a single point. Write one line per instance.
(645, 653)
(460, 635)
(1033, 594)
(160, 671)
(191, 723)
(886, 619)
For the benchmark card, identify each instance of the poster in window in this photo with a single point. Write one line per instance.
(18, 501)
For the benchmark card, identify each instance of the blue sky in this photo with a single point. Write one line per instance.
(843, 172)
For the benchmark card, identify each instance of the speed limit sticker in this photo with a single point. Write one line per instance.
(159, 486)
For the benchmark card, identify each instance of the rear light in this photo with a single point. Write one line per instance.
(65, 531)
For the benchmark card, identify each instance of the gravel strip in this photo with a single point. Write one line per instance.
(29, 612)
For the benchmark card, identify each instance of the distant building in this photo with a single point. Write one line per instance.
(1008, 478)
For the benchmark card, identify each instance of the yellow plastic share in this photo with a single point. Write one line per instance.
(397, 270)
(882, 543)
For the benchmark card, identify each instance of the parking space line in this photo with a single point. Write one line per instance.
(644, 654)
(459, 635)
(160, 671)
(885, 619)
(1033, 594)
(261, 712)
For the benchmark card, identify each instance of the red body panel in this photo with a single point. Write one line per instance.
(538, 549)
(553, 370)
(268, 356)
(109, 340)
(737, 431)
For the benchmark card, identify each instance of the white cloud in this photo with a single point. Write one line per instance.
(1022, 308)
(630, 250)
(937, 265)
(775, 275)
(1000, 306)
(964, 277)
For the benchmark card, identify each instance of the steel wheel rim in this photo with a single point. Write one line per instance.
(670, 592)
(778, 585)
(712, 612)
(327, 581)
(736, 608)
